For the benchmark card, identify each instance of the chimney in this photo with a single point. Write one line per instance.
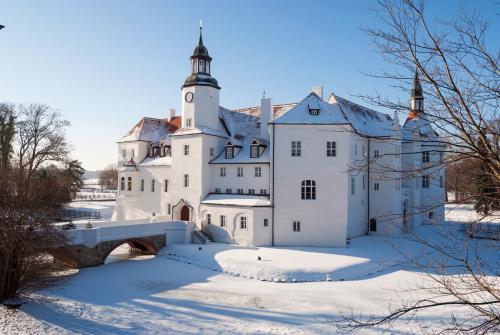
(171, 114)
(266, 110)
(318, 90)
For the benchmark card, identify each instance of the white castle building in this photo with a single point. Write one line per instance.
(312, 173)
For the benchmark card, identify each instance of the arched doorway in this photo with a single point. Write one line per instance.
(185, 213)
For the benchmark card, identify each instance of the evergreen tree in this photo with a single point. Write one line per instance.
(7, 130)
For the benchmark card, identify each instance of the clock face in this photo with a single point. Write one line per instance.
(188, 97)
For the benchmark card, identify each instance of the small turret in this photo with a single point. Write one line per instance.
(416, 99)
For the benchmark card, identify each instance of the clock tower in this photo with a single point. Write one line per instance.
(200, 92)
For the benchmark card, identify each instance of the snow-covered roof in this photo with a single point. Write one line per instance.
(364, 120)
(419, 128)
(300, 114)
(278, 109)
(200, 130)
(237, 200)
(243, 130)
(129, 166)
(152, 129)
(157, 161)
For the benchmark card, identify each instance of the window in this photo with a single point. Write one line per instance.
(431, 215)
(124, 153)
(186, 180)
(425, 181)
(166, 185)
(331, 149)
(251, 191)
(239, 191)
(142, 185)
(209, 218)
(202, 65)
(440, 157)
(263, 191)
(169, 209)
(441, 181)
(258, 125)
(397, 184)
(211, 152)
(376, 186)
(229, 152)
(133, 153)
(228, 190)
(186, 150)
(122, 184)
(254, 151)
(376, 154)
(308, 190)
(239, 171)
(266, 222)
(355, 149)
(353, 190)
(188, 122)
(425, 157)
(364, 181)
(258, 171)
(314, 111)
(296, 226)
(222, 171)
(217, 190)
(296, 148)
(222, 220)
(152, 185)
(129, 184)
(243, 222)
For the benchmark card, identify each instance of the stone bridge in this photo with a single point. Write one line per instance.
(90, 246)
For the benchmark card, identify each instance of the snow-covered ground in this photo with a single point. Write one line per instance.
(216, 290)
(106, 208)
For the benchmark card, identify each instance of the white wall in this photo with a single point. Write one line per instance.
(324, 220)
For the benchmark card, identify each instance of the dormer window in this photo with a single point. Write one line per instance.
(229, 152)
(313, 108)
(151, 152)
(254, 151)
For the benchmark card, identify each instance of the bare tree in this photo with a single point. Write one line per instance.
(41, 137)
(460, 78)
(7, 120)
(108, 178)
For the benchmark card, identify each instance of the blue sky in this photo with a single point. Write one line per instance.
(106, 64)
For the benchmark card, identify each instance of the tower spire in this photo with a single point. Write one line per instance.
(200, 42)
(416, 99)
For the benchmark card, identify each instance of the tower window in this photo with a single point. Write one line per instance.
(142, 185)
(376, 154)
(222, 220)
(122, 184)
(425, 181)
(186, 180)
(243, 222)
(152, 185)
(266, 222)
(376, 186)
(308, 190)
(239, 171)
(202, 65)
(258, 171)
(425, 157)
(296, 148)
(186, 150)
(124, 153)
(223, 171)
(166, 185)
(331, 149)
(169, 209)
(209, 218)
(296, 226)
(129, 184)
(353, 189)
(189, 122)
(211, 152)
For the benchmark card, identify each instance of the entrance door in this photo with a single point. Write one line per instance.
(185, 213)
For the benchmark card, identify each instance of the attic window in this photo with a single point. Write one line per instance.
(313, 108)
(254, 151)
(229, 152)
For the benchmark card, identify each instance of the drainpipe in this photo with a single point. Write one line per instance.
(272, 194)
(368, 185)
